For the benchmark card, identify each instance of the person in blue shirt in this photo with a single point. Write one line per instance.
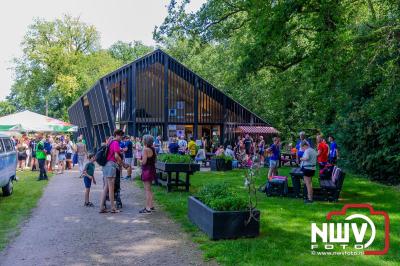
(47, 148)
(275, 151)
(300, 152)
(173, 147)
(158, 144)
(333, 150)
(127, 147)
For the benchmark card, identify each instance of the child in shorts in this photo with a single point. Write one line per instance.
(88, 177)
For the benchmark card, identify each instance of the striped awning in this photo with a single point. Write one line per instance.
(257, 130)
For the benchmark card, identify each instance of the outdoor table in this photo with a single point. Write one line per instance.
(174, 181)
(296, 175)
(289, 157)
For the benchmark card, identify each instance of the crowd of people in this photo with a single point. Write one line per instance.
(51, 152)
(58, 153)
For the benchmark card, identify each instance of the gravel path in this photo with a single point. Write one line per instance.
(63, 232)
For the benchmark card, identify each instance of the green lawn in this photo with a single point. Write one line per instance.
(17, 207)
(285, 223)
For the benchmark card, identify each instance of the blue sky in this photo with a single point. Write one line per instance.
(125, 20)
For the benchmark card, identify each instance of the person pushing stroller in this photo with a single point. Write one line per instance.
(110, 171)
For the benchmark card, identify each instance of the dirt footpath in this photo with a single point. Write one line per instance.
(63, 232)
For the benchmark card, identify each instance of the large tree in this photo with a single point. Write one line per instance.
(330, 66)
(61, 59)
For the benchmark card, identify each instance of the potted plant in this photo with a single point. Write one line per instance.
(221, 163)
(222, 213)
(176, 163)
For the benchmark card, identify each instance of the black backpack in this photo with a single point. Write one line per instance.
(101, 154)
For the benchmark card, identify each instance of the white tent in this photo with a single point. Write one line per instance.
(29, 121)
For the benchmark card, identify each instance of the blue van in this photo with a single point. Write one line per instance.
(8, 164)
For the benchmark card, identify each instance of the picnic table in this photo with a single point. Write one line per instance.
(287, 157)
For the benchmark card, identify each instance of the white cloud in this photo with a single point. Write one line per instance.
(125, 20)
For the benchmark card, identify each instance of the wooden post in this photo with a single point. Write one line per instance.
(166, 108)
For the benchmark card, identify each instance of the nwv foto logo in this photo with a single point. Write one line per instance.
(336, 234)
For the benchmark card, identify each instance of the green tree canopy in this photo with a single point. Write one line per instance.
(330, 66)
(128, 52)
(61, 59)
(6, 108)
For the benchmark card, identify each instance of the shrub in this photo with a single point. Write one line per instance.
(227, 159)
(174, 158)
(220, 197)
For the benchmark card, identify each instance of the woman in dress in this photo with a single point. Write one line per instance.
(148, 171)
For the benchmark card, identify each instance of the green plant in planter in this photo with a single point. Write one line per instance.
(174, 158)
(221, 197)
(227, 159)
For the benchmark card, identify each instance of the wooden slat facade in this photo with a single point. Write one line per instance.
(157, 95)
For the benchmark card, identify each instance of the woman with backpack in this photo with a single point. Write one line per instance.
(113, 162)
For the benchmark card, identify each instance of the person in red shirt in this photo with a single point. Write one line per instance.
(323, 151)
(114, 161)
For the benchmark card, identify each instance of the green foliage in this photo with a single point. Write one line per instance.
(174, 158)
(61, 59)
(6, 108)
(284, 222)
(329, 66)
(221, 197)
(227, 159)
(128, 52)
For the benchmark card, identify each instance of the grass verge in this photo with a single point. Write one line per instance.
(285, 223)
(17, 207)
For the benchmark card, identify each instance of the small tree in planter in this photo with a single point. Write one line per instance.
(221, 163)
(222, 213)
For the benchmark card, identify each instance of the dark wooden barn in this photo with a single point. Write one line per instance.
(157, 95)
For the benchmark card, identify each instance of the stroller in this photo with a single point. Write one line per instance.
(117, 191)
(326, 171)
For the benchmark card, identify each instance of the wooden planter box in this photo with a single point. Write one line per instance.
(220, 165)
(222, 224)
(177, 167)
